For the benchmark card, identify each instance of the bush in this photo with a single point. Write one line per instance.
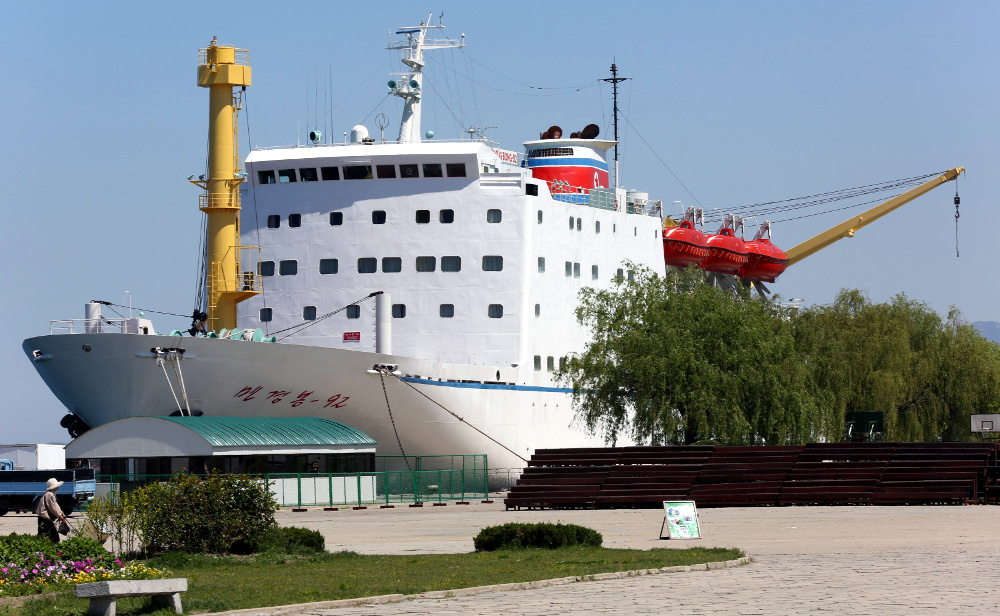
(216, 514)
(15, 548)
(292, 540)
(540, 535)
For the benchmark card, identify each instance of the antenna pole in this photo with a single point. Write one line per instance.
(614, 80)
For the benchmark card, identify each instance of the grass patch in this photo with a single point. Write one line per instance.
(217, 584)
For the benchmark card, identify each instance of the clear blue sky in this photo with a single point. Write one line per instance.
(744, 101)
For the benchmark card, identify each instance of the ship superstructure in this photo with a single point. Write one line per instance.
(474, 255)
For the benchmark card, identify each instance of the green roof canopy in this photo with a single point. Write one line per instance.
(272, 431)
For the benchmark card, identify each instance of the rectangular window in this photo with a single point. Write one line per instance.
(409, 171)
(267, 268)
(286, 176)
(579, 224)
(329, 266)
(378, 217)
(541, 265)
(288, 268)
(593, 272)
(273, 221)
(432, 170)
(265, 315)
(266, 177)
(309, 312)
(569, 269)
(451, 264)
(446, 311)
(385, 172)
(426, 264)
(631, 275)
(620, 275)
(538, 310)
(336, 219)
(354, 312)
(494, 215)
(446, 217)
(423, 217)
(576, 270)
(330, 173)
(531, 190)
(399, 311)
(538, 363)
(295, 220)
(357, 172)
(392, 265)
(495, 311)
(367, 265)
(539, 216)
(492, 263)
(308, 175)
(550, 363)
(572, 223)
(562, 363)
(455, 170)
(597, 226)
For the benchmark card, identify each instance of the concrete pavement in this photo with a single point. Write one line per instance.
(806, 560)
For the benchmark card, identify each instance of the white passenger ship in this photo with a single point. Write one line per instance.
(475, 256)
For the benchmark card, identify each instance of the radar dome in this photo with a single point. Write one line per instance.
(359, 133)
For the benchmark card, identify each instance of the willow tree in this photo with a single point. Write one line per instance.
(926, 375)
(675, 361)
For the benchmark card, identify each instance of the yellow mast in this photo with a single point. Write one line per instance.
(231, 268)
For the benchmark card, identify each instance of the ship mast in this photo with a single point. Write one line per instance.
(614, 80)
(407, 86)
(231, 275)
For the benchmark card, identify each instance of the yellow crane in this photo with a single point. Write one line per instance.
(848, 227)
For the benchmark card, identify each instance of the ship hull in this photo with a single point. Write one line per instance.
(425, 408)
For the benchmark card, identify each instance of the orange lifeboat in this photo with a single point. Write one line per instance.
(726, 252)
(765, 261)
(684, 245)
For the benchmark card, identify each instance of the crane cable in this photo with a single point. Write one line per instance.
(958, 200)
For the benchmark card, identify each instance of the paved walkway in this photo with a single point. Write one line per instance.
(806, 560)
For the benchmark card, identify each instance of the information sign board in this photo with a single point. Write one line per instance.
(680, 520)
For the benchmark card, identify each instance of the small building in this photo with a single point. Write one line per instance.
(252, 445)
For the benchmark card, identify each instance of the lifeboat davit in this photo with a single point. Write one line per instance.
(726, 252)
(684, 245)
(765, 261)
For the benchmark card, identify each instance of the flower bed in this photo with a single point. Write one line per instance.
(38, 573)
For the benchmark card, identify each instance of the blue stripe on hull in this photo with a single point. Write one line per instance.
(563, 390)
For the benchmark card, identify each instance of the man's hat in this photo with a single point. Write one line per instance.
(52, 484)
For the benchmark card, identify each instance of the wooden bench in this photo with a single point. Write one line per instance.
(103, 595)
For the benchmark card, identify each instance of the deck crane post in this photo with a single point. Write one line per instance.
(232, 274)
(848, 227)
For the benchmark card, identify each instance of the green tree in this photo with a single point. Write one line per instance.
(901, 359)
(675, 361)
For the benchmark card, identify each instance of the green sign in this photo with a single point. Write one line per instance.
(681, 520)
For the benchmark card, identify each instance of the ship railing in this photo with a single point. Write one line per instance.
(483, 140)
(91, 326)
(602, 199)
(241, 56)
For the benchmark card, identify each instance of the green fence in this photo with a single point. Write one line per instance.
(456, 478)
